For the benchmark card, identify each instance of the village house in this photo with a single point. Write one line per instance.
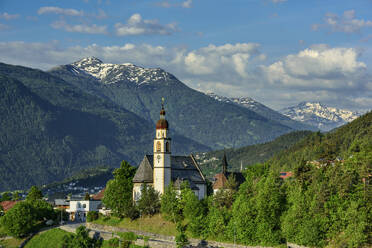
(162, 168)
(79, 208)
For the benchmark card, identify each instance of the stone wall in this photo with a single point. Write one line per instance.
(164, 241)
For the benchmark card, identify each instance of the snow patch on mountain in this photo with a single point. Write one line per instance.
(319, 115)
(244, 101)
(112, 73)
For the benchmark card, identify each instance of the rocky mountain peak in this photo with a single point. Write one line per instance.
(320, 115)
(89, 61)
(109, 73)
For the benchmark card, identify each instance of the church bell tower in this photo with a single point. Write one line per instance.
(162, 153)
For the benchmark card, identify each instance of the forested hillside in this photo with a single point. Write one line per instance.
(327, 201)
(49, 129)
(210, 162)
(190, 113)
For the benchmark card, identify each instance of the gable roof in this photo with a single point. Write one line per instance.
(221, 179)
(144, 172)
(99, 195)
(183, 167)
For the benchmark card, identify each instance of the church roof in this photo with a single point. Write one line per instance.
(221, 179)
(183, 167)
(178, 182)
(144, 172)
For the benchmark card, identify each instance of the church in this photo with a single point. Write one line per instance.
(161, 168)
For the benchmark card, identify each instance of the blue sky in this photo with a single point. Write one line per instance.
(279, 52)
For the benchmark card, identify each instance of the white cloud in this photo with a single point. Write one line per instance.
(169, 4)
(228, 58)
(187, 4)
(8, 17)
(346, 23)
(80, 28)
(334, 76)
(138, 26)
(60, 11)
(317, 67)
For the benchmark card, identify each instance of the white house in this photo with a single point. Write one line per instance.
(79, 209)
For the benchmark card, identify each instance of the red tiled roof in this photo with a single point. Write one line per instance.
(220, 182)
(285, 175)
(8, 205)
(99, 195)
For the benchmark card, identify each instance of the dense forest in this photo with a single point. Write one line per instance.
(327, 202)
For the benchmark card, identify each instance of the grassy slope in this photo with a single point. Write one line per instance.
(11, 243)
(49, 239)
(53, 239)
(155, 224)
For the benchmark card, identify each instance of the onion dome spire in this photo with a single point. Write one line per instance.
(162, 122)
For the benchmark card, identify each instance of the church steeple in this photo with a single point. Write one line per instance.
(162, 153)
(224, 164)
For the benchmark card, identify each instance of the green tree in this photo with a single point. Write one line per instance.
(19, 220)
(16, 196)
(118, 194)
(43, 210)
(270, 203)
(218, 219)
(92, 216)
(149, 203)
(226, 196)
(87, 196)
(34, 194)
(81, 239)
(170, 206)
(6, 196)
(181, 237)
(242, 225)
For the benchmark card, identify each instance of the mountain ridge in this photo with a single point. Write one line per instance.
(261, 109)
(190, 112)
(320, 115)
(49, 129)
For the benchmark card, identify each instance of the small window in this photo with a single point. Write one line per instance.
(158, 146)
(84, 205)
(167, 147)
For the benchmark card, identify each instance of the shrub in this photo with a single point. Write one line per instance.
(92, 215)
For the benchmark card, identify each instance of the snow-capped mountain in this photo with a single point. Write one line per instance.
(244, 101)
(319, 115)
(262, 110)
(112, 73)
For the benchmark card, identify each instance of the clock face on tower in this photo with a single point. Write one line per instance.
(158, 158)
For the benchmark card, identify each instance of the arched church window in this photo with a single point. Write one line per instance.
(158, 146)
(167, 149)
